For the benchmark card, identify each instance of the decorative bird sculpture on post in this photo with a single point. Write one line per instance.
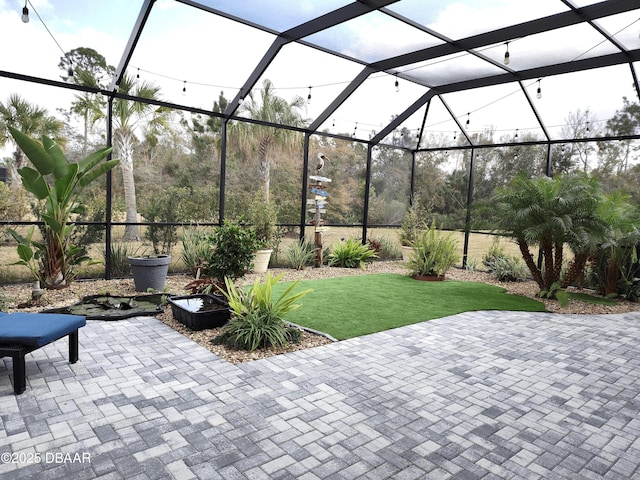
(321, 160)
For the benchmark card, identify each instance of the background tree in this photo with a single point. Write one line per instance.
(580, 124)
(33, 121)
(130, 119)
(86, 67)
(85, 61)
(616, 158)
(261, 139)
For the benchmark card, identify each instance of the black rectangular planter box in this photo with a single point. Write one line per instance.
(199, 312)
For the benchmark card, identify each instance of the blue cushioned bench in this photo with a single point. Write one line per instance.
(22, 333)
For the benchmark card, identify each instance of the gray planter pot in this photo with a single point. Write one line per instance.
(149, 273)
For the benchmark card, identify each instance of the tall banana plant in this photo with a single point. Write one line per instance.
(59, 183)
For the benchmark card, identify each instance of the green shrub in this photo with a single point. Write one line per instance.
(233, 252)
(197, 247)
(509, 269)
(385, 248)
(261, 215)
(434, 253)
(160, 206)
(299, 254)
(411, 227)
(350, 254)
(471, 265)
(258, 318)
(496, 250)
(120, 251)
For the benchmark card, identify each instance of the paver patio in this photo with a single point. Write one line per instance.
(479, 395)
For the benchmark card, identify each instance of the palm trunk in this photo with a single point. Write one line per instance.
(576, 269)
(14, 177)
(528, 259)
(548, 274)
(125, 144)
(54, 262)
(264, 166)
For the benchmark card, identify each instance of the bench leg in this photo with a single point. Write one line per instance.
(19, 376)
(73, 347)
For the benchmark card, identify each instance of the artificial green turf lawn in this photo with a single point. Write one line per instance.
(585, 297)
(348, 307)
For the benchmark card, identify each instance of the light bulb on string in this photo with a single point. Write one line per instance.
(309, 96)
(539, 91)
(184, 89)
(506, 55)
(138, 74)
(25, 13)
(468, 119)
(70, 68)
(397, 84)
(516, 136)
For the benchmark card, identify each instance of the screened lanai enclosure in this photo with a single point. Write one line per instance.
(210, 104)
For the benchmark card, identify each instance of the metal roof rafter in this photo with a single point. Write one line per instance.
(445, 39)
(531, 27)
(143, 16)
(318, 24)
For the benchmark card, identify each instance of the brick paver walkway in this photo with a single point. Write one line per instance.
(489, 395)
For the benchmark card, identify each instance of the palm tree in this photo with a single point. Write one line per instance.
(30, 119)
(129, 119)
(261, 139)
(550, 213)
(88, 106)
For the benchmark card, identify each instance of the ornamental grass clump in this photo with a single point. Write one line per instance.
(434, 253)
(351, 254)
(300, 254)
(258, 318)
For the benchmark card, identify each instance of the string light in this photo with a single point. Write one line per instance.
(354, 130)
(539, 91)
(397, 85)
(184, 88)
(309, 96)
(506, 55)
(516, 136)
(468, 119)
(25, 13)
(138, 74)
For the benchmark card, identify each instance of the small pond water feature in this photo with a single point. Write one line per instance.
(203, 303)
(108, 307)
(200, 312)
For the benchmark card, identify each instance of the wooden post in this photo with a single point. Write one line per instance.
(318, 201)
(318, 247)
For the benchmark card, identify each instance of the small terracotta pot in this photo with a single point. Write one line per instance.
(428, 278)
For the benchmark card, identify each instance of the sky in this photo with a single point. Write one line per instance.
(182, 47)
